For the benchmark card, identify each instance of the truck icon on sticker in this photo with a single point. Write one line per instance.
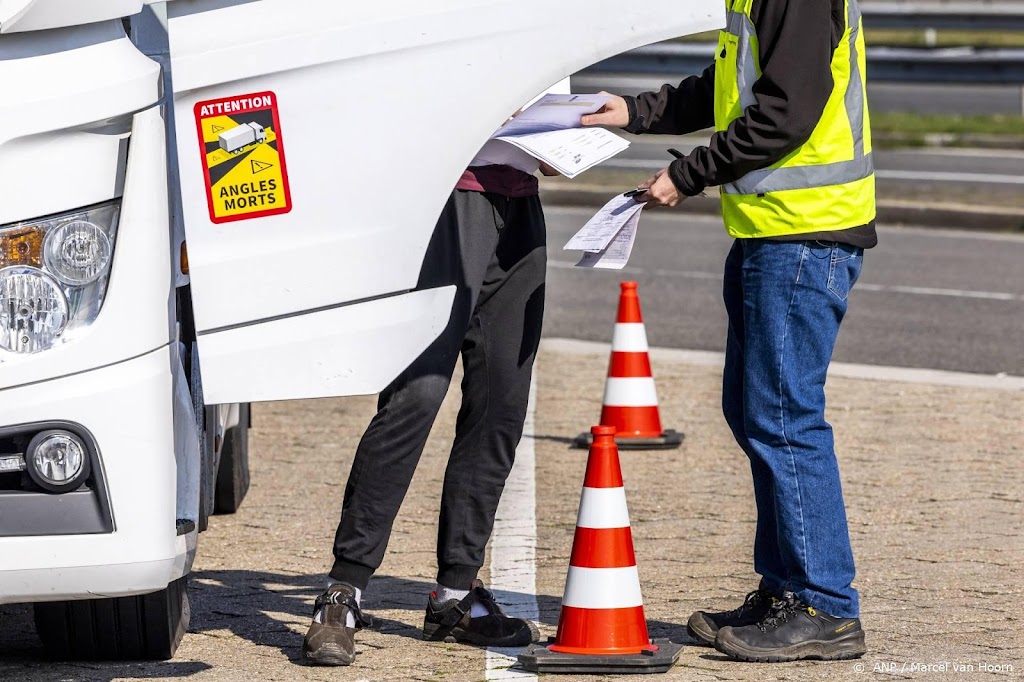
(234, 140)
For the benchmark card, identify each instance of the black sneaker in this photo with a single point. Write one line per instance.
(704, 626)
(450, 622)
(329, 641)
(793, 631)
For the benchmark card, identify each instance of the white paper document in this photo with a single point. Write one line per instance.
(570, 151)
(606, 223)
(550, 130)
(553, 112)
(616, 254)
(608, 237)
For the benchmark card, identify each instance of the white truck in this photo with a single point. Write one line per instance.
(232, 141)
(126, 360)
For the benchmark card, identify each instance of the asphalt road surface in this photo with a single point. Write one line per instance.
(888, 97)
(927, 298)
(929, 165)
(974, 176)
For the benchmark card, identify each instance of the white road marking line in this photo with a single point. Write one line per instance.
(906, 375)
(646, 164)
(965, 152)
(514, 546)
(884, 230)
(932, 291)
(860, 286)
(942, 176)
(887, 231)
(566, 265)
(690, 274)
(914, 175)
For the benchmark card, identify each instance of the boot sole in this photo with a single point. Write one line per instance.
(845, 648)
(459, 635)
(698, 629)
(329, 655)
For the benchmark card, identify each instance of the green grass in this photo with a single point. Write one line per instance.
(923, 124)
(901, 38)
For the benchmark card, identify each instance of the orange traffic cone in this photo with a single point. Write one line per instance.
(630, 399)
(602, 628)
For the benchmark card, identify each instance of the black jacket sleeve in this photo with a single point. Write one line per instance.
(796, 41)
(675, 110)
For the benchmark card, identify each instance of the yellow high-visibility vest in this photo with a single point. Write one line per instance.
(828, 183)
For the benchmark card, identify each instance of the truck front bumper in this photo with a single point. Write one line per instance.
(127, 407)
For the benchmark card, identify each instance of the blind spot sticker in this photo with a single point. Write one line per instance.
(242, 148)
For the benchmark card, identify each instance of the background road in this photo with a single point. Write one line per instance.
(928, 165)
(926, 298)
(912, 97)
(981, 177)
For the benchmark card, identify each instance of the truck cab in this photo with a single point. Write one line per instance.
(184, 230)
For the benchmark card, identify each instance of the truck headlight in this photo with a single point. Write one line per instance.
(77, 252)
(33, 310)
(57, 461)
(53, 276)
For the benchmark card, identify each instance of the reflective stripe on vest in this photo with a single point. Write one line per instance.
(810, 176)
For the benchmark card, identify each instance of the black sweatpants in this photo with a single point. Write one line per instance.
(493, 248)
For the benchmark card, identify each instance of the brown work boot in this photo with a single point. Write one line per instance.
(330, 641)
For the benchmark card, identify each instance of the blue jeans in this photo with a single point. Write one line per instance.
(785, 302)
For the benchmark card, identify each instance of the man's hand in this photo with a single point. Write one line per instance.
(661, 191)
(614, 114)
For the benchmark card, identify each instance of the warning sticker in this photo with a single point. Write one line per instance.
(243, 157)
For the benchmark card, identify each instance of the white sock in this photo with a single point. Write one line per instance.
(350, 619)
(446, 593)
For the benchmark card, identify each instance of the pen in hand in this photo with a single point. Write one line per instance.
(679, 155)
(641, 190)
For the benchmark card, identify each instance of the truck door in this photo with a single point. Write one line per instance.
(317, 143)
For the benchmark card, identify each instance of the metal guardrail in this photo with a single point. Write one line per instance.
(947, 65)
(958, 15)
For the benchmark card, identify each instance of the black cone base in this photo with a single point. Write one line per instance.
(666, 441)
(537, 658)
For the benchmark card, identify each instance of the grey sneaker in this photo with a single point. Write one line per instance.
(329, 641)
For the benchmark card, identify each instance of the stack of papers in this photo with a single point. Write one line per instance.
(607, 238)
(550, 130)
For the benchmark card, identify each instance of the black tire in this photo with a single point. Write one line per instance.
(207, 467)
(146, 627)
(233, 473)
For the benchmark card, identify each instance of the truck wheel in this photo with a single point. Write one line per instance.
(233, 473)
(207, 467)
(143, 627)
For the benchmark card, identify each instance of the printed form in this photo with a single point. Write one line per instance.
(607, 238)
(550, 130)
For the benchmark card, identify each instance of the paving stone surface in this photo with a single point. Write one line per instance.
(933, 480)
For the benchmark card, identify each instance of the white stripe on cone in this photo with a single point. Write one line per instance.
(602, 588)
(630, 392)
(603, 508)
(629, 337)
